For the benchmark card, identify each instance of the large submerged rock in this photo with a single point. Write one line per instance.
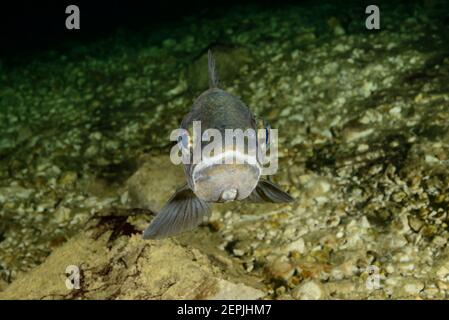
(154, 182)
(116, 263)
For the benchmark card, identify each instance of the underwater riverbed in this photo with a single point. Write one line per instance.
(363, 145)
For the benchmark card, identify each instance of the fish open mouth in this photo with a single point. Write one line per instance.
(226, 177)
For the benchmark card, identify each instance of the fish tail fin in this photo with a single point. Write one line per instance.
(213, 76)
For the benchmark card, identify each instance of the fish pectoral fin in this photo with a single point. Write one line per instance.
(267, 191)
(184, 211)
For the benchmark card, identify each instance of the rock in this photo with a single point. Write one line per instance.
(143, 192)
(114, 265)
(443, 271)
(297, 245)
(443, 285)
(3, 285)
(96, 136)
(415, 223)
(413, 287)
(343, 288)
(180, 88)
(91, 151)
(280, 270)
(317, 187)
(395, 111)
(398, 196)
(351, 134)
(68, 179)
(310, 290)
(439, 241)
(228, 290)
(14, 192)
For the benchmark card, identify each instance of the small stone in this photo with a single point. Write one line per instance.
(439, 241)
(443, 271)
(398, 196)
(297, 245)
(95, 136)
(389, 268)
(68, 179)
(310, 290)
(317, 187)
(362, 147)
(91, 151)
(430, 159)
(282, 270)
(414, 287)
(395, 111)
(62, 214)
(443, 285)
(415, 223)
(232, 291)
(355, 133)
(14, 192)
(341, 48)
(180, 88)
(429, 230)
(124, 198)
(343, 288)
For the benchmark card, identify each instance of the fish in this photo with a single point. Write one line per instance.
(213, 180)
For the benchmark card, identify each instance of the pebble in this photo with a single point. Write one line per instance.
(68, 178)
(415, 223)
(280, 270)
(443, 271)
(413, 287)
(297, 245)
(310, 290)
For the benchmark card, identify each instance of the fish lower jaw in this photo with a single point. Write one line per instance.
(218, 180)
(229, 195)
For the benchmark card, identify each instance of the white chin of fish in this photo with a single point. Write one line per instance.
(228, 157)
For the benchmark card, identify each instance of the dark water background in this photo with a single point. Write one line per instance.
(28, 28)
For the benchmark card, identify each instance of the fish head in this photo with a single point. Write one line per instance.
(226, 176)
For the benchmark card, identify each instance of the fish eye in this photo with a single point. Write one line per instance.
(267, 135)
(184, 140)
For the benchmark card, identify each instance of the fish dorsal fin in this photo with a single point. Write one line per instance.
(183, 212)
(213, 76)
